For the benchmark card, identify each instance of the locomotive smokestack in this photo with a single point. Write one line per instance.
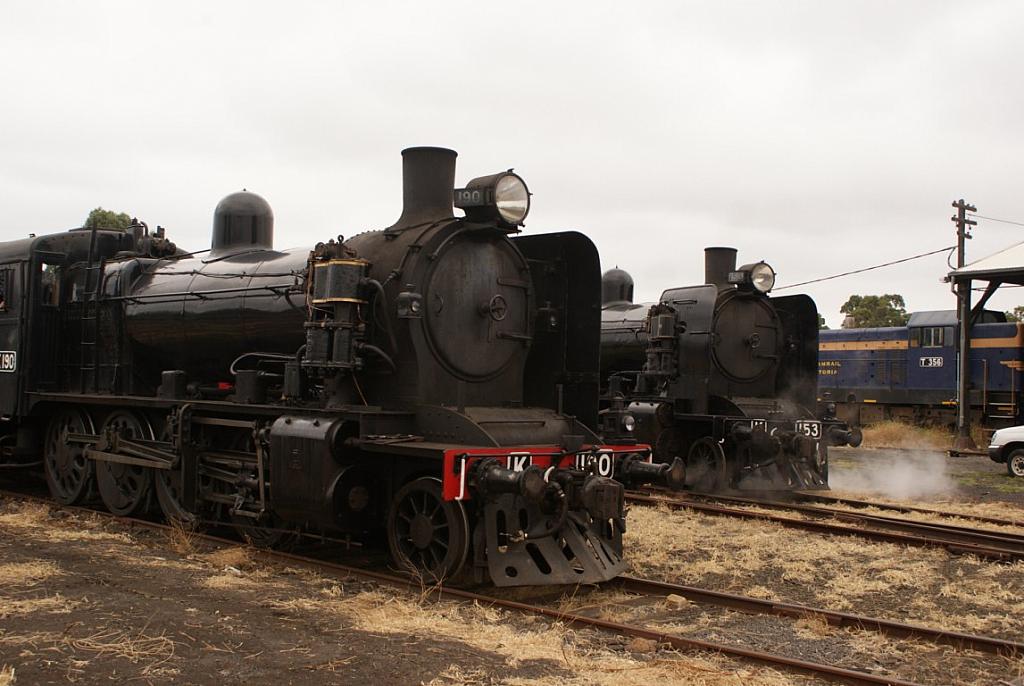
(428, 180)
(718, 262)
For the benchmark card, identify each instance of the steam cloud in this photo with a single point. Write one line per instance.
(895, 474)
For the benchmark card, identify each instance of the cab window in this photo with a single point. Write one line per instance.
(49, 281)
(932, 337)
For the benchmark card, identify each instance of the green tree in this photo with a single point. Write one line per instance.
(821, 323)
(876, 310)
(107, 219)
(1016, 314)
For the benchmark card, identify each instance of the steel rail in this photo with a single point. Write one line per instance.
(830, 672)
(963, 534)
(985, 552)
(853, 502)
(746, 604)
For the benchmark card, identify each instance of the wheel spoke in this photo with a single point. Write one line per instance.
(436, 561)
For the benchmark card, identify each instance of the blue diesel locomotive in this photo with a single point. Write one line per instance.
(910, 372)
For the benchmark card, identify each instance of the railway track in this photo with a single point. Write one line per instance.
(644, 587)
(986, 544)
(750, 605)
(904, 509)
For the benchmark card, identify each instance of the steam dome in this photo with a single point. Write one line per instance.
(243, 220)
(616, 286)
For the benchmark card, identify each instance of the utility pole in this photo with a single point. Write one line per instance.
(963, 315)
(962, 222)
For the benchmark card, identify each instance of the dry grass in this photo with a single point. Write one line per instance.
(25, 515)
(531, 641)
(6, 675)
(89, 535)
(455, 675)
(238, 569)
(812, 627)
(601, 601)
(140, 558)
(133, 646)
(33, 640)
(894, 434)
(181, 537)
(766, 560)
(231, 580)
(238, 557)
(27, 573)
(55, 604)
(36, 518)
(136, 646)
(955, 666)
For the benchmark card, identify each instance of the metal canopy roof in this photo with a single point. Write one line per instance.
(948, 318)
(933, 318)
(1005, 266)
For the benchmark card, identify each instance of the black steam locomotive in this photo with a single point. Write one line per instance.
(432, 382)
(722, 377)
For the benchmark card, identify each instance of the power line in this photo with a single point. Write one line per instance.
(993, 219)
(867, 269)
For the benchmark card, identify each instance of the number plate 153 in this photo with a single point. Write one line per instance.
(809, 428)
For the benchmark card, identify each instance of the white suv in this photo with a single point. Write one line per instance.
(1008, 446)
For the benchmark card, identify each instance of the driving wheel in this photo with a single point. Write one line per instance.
(126, 489)
(427, 535)
(69, 473)
(705, 465)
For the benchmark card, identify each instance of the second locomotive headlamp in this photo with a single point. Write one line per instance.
(501, 197)
(760, 276)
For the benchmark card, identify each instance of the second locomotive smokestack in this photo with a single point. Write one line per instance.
(428, 180)
(718, 262)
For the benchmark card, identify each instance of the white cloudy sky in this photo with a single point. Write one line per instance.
(817, 136)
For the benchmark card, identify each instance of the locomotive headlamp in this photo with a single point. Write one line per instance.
(760, 276)
(628, 423)
(501, 197)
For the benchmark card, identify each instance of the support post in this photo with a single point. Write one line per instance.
(963, 439)
(963, 316)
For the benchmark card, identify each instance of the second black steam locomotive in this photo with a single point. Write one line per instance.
(721, 376)
(431, 382)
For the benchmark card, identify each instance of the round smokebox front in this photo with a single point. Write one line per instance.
(746, 337)
(477, 305)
